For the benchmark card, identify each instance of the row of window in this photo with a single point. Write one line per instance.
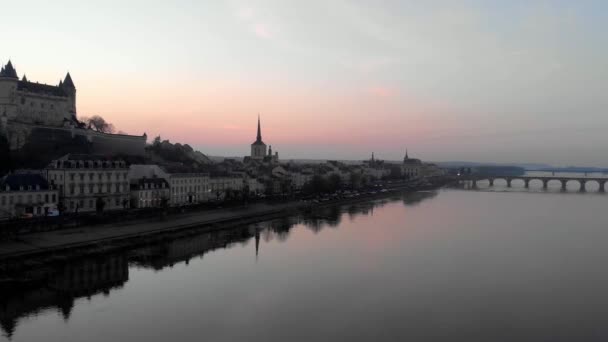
(73, 176)
(92, 203)
(32, 103)
(27, 199)
(96, 188)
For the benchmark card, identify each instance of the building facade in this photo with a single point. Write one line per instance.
(411, 167)
(26, 194)
(189, 188)
(88, 183)
(150, 192)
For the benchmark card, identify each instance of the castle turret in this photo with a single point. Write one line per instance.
(9, 71)
(70, 89)
(8, 90)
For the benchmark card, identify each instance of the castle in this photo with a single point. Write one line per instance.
(32, 102)
(46, 115)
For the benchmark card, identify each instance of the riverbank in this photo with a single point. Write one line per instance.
(42, 247)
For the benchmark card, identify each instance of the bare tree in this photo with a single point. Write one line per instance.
(99, 124)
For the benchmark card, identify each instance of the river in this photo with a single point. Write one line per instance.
(451, 265)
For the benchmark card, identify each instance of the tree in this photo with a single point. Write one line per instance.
(99, 124)
(355, 179)
(334, 182)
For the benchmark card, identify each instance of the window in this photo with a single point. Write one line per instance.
(46, 198)
(71, 176)
(81, 189)
(22, 100)
(38, 198)
(52, 106)
(91, 175)
(3, 201)
(53, 198)
(91, 187)
(82, 177)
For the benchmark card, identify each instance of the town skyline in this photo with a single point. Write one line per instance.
(505, 96)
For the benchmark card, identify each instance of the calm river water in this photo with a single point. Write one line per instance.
(452, 265)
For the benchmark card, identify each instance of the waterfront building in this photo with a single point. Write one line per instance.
(26, 194)
(375, 168)
(189, 188)
(149, 192)
(221, 186)
(411, 167)
(88, 183)
(255, 186)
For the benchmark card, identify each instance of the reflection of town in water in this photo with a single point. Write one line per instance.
(100, 275)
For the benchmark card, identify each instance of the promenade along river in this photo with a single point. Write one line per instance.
(452, 265)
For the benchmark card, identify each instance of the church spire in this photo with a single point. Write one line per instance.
(259, 137)
(406, 156)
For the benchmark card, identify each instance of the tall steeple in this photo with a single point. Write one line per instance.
(259, 137)
(406, 156)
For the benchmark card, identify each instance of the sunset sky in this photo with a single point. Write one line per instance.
(490, 81)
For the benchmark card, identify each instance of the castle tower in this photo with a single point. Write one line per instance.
(70, 89)
(258, 148)
(8, 90)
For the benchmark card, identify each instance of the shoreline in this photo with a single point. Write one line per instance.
(36, 249)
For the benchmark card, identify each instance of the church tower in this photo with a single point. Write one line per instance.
(258, 148)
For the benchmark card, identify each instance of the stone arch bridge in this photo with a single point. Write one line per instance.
(544, 179)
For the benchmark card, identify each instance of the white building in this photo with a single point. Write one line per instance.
(189, 188)
(86, 181)
(149, 192)
(255, 186)
(26, 194)
(411, 167)
(220, 185)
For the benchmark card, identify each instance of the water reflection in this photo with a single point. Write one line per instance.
(62, 285)
(83, 278)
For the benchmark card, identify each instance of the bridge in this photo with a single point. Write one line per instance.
(544, 179)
